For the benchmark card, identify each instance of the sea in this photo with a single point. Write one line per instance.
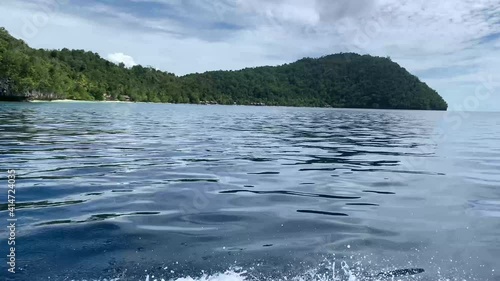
(142, 191)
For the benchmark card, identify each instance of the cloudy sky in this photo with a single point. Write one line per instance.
(452, 45)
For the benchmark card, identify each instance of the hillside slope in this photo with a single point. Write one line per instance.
(341, 80)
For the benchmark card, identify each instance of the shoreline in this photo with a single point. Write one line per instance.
(200, 104)
(76, 101)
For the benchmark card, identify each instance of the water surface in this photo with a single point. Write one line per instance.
(135, 190)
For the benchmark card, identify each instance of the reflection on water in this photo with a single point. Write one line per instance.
(177, 190)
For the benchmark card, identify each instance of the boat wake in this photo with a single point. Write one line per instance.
(333, 272)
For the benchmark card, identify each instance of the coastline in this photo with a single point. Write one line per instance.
(77, 101)
(201, 104)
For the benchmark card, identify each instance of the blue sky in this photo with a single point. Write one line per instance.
(452, 45)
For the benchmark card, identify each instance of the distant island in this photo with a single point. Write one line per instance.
(345, 80)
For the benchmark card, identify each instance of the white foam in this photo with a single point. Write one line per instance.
(343, 273)
(226, 276)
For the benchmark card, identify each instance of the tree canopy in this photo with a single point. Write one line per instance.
(340, 80)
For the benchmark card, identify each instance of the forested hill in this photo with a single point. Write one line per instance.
(340, 80)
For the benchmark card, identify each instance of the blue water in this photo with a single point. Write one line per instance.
(182, 192)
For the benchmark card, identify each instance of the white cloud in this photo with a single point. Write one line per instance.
(117, 58)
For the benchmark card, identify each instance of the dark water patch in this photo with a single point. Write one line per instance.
(55, 222)
(292, 193)
(201, 160)
(387, 183)
(399, 171)
(335, 214)
(144, 213)
(128, 148)
(70, 177)
(317, 169)
(379, 192)
(265, 173)
(193, 180)
(41, 204)
(351, 153)
(254, 159)
(316, 160)
(101, 217)
(362, 204)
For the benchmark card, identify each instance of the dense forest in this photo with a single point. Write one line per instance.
(341, 80)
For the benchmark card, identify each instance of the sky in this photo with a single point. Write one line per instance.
(452, 45)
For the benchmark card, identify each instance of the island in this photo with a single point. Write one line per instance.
(344, 80)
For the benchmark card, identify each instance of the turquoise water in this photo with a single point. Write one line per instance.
(132, 191)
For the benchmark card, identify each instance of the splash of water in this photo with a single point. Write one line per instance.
(343, 273)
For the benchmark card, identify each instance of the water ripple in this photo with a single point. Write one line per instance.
(291, 193)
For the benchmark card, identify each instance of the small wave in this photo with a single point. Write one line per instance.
(362, 204)
(42, 204)
(379, 192)
(98, 217)
(323, 213)
(292, 193)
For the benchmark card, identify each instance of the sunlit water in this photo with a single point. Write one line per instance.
(178, 192)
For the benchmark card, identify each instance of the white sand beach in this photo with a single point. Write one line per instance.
(79, 101)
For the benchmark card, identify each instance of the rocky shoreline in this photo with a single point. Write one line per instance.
(7, 94)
